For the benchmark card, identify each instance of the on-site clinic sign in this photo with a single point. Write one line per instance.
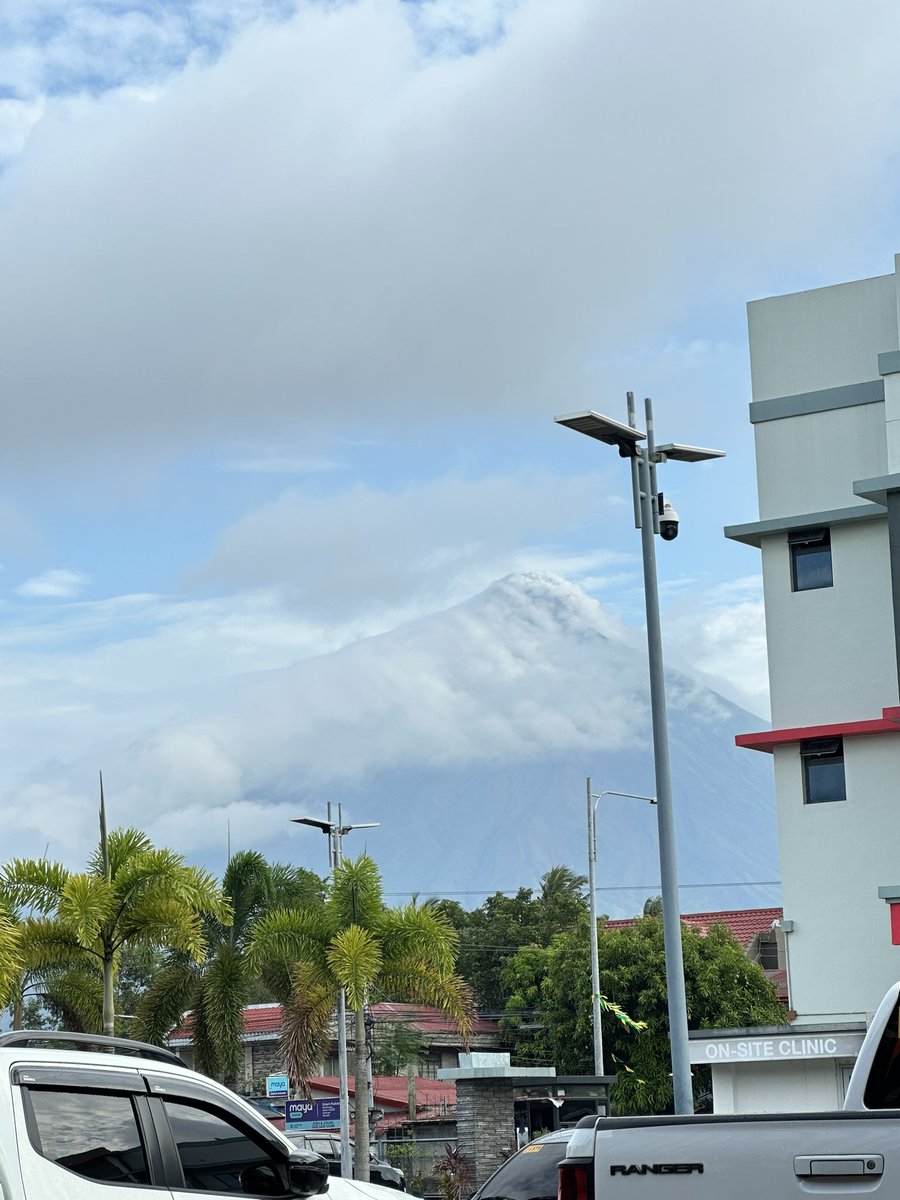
(777, 1048)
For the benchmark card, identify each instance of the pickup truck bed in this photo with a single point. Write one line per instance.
(768, 1157)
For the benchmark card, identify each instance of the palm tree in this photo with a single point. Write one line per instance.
(131, 894)
(217, 989)
(357, 943)
(10, 955)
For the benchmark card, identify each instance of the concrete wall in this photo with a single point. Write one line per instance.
(826, 338)
(808, 463)
(811, 1085)
(832, 655)
(831, 650)
(834, 859)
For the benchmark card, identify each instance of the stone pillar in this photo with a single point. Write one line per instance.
(485, 1125)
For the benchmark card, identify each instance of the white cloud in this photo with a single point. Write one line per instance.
(719, 635)
(55, 584)
(417, 547)
(325, 226)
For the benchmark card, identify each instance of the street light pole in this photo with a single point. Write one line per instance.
(335, 830)
(596, 1005)
(650, 520)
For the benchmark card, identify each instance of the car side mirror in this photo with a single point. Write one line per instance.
(307, 1174)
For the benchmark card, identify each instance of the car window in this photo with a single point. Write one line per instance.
(218, 1155)
(529, 1175)
(93, 1135)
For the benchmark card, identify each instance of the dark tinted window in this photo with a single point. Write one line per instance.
(883, 1085)
(215, 1154)
(810, 559)
(529, 1175)
(823, 770)
(93, 1135)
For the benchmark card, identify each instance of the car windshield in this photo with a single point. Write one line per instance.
(529, 1175)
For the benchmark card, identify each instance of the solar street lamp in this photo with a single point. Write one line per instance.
(650, 517)
(335, 831)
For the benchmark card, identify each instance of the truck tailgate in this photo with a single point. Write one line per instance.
(773, 1157)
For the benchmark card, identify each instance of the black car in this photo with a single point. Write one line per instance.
(329, 1146)
(531, 1173)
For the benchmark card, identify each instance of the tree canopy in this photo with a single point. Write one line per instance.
(723, 989)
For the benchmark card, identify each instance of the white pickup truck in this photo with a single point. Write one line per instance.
(126, 1121)
(836, 1155)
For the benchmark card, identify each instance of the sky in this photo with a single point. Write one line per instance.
(292, 292)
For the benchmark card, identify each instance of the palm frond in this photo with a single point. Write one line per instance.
(250, 888)
(123, 846)
(75, 997)
(356, 896)
(421, 931)
(306, 1021)
(354, 957)
(219, 1018)
(163, 922)
(85, 906)
(47, 942)
(33, 883)
(10, 956)
(170, 994)
(289, 935)
(421, 982)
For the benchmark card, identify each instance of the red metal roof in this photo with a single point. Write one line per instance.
(433, 1094)
(428, 1020)
(744, 923)
(264, 1020)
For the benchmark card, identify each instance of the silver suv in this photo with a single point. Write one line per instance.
(121, 1119)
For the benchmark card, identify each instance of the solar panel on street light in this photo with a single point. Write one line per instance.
(604, 429)
(688, 453)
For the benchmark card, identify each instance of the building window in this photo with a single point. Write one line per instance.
(823, 770)
(810, 559)
(768, 952)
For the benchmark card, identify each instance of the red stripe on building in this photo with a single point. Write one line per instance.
(889, 722)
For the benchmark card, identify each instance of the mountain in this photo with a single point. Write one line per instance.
(469, 735)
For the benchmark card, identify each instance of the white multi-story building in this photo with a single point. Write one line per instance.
(825, 370)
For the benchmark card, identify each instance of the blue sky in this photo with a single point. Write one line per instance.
(292, 292)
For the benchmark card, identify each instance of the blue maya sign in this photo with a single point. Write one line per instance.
(277, 1087)
(312, 1114)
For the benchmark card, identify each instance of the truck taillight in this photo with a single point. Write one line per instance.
(575, 1181)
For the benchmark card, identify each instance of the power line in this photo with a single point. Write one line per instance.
(630, 887)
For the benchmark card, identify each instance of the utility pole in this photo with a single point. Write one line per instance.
(335, 831)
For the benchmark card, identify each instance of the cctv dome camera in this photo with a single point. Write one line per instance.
(668, 523)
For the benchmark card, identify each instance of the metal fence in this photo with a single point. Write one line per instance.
(416, 1158)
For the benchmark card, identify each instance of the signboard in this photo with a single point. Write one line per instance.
(776, 1049)
(312, 1114)
(277, 1087)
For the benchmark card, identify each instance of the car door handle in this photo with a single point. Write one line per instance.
(818, 1166)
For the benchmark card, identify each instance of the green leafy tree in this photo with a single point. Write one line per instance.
(723, 989)
(132, 895)
(493, 933)
(217, 988)
(357, 943)
(397, 1045)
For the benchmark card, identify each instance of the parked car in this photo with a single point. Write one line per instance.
(329, 1146)
(531, 1173)
(99, 1118)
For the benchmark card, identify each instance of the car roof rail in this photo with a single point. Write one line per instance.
(82, 1041)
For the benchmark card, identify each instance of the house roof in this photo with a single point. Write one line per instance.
(427, 1020)
(435, 1095)
(263, 1022)
(744, 923)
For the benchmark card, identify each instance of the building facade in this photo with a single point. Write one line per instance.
(825, 410)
